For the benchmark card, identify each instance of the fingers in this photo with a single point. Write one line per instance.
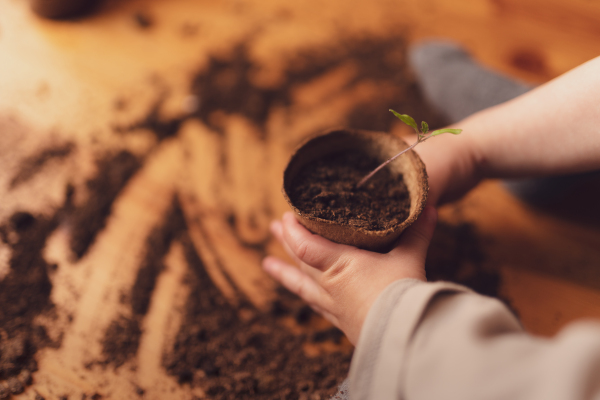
(294, 280)
(277, 231)
(415, 240)
(302, 285)
(311, 249)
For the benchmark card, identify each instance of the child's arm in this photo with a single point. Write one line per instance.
(553, 129)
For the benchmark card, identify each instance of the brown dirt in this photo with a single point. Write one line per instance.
(35, 163)
(238, 352)
(225, 85)
(122, 338)
(24, 294)
(87, 220)
(327, 189)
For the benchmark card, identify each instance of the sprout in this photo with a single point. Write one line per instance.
(422, 136)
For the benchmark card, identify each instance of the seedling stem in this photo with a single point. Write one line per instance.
(421, 137)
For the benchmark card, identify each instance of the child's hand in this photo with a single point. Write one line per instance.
(342, 282)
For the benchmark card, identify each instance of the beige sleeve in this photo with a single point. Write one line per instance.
(441, 341)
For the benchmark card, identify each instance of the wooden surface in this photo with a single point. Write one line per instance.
(60, 82)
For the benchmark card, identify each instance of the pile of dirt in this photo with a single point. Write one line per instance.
(327, 189)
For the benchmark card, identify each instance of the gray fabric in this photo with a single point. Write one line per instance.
(440, 341)
(342, 393)
(455, 84)
(458, 86)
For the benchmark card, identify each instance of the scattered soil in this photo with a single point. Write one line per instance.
(157, 246)
(122, 337)
(114, 171)
(161, 128)
(24, 294)
(327, 189)
(253, 357)
(226, 85)
(32, 165)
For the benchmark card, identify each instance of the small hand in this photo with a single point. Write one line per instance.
(342, 282)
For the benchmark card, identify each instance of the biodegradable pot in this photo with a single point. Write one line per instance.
(378, 145)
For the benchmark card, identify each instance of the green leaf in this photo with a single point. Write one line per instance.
(424, 127)
(447, 130)
(407, 119)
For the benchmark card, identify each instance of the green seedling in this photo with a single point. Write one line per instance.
(422, 135)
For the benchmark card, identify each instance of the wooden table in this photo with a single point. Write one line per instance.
(83, 81)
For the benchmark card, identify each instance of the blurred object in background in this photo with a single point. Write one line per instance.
(62, 9)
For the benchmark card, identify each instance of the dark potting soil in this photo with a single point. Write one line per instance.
(231, 351)
(35, 163)
(249, 357)
(226, 85)
(87, 220)
(327, 189)
(122, 338)
(24, 294)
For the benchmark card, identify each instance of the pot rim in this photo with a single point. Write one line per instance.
(421, 175)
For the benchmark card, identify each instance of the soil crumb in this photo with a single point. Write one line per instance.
(114, 171)
(327, 189)
(250, 358)
(34, 164)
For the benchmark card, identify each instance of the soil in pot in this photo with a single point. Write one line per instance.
(327, 189)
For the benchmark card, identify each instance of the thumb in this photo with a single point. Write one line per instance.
(415, 240)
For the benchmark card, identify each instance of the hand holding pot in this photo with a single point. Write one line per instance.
(342, 282)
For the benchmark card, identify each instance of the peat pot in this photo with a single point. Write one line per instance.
(379, 146)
